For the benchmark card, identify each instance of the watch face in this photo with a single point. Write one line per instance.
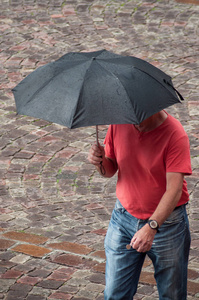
(153, 224)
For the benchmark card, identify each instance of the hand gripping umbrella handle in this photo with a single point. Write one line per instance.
(102, 170)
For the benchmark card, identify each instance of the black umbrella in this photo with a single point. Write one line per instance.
(95, 88)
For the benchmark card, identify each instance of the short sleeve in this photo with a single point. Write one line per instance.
(178, 155)
(109, 144)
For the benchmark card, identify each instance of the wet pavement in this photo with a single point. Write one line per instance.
(54, 207)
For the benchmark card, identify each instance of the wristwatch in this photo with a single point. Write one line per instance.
(153, 224)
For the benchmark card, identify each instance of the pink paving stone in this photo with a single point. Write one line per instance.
(29, 280)
(71, 168)
(39, 132)
(195, 243)
(66, 270)
(5, 210)
(68, 192)
(41, 63)
(94, 206)
(193, 103)
(56, 275)
(70, 260)
(192, 274)
(71, 247)
(148, 4)
(59, 295)
(180, 69)
(29, 204)
(10, 85)
(195, 174)
(45, 23)
(100, 267)
(29, 21)
(25, 154)
(190, 59)
(25, 237)
(68, 11)
(99, 253)
(170, 24)
(42, 158)
(100, 231)
(57, 16)
(2, 72)
(4, 27)
(15, 59)
(18, 48)
(196, 135)
(31, 250)
(11, 274)
(4, 58)
(7, 264)
(31, 177)
(29, 62)
(48, 139)
(156, 63)
(67, 153)
(5, 244)
(2, 182)
(180, 23)
(193, 287)
(101, 27)
(15, 76)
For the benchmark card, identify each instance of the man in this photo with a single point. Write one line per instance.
(150, 213)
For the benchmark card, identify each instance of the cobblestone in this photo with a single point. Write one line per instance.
(55, 209)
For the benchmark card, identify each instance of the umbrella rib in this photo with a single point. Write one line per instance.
(165, 81)
(160, 82)
(38, 91)
(80, 91)
(119, 82)
(46, 83)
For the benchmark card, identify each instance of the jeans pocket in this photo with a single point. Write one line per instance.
(119, 208)
(176, 216)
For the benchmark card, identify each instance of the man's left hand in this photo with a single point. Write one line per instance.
(143, 239)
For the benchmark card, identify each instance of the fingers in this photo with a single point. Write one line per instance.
(143, 239)
(96, 154)
(141, 246)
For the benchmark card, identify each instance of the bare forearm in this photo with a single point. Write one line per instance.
(166, 206)
(170, 199)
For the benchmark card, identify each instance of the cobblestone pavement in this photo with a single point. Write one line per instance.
(54, 207)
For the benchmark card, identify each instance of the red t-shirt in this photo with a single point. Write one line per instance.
(143, 160)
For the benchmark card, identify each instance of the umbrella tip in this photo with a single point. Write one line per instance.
(179, 95)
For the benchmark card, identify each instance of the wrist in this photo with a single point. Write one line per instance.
(153, 225)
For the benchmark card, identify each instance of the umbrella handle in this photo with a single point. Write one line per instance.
(97, 139)
(103, 172)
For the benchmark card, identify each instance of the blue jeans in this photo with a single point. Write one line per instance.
(169, 254)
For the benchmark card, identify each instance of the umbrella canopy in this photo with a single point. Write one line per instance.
(95, 88)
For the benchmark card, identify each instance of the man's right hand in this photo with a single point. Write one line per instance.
(104, 165)
(96, 155)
